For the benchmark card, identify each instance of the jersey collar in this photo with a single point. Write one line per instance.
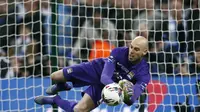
(138, 64)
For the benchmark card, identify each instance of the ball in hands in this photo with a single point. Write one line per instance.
(125, 95)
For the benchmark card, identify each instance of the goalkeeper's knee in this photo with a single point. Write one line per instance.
(58, 76)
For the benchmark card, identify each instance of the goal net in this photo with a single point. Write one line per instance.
(38, 37)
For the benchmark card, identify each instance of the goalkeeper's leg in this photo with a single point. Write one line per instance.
(60, 85)
(80, 75)
(86, 104)
(67, 74)
(56, 100)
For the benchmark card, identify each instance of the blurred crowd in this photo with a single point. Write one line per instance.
(88, 29)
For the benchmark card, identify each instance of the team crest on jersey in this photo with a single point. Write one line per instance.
(111, 59)
(131, 74)
(69, 70)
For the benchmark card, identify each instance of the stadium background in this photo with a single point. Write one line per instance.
(38, 37)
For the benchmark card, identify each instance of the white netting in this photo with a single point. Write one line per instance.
(37, 36)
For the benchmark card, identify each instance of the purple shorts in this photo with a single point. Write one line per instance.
(85, 75)
(82, 75)
(94, 92)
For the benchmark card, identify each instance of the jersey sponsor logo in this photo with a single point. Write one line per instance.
(123, 67)
(130, 74)
(69, 70)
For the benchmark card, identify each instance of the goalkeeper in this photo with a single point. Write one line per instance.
(123, 63)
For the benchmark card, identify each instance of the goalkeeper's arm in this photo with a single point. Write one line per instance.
(138, 90)
(108, 70)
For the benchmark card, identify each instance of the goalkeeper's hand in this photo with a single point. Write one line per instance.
(127, 88)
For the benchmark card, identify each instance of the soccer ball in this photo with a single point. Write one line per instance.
(112, 94)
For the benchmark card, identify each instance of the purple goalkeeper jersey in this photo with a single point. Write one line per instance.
(118, 67)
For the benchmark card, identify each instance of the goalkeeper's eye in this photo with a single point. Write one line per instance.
(136, 49)
(131, 46)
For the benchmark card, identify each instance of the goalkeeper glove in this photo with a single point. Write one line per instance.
(126, 86)
(129, 89)
(128, 92)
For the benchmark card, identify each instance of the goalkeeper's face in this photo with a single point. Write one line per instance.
(135, 53)
(137, 49)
